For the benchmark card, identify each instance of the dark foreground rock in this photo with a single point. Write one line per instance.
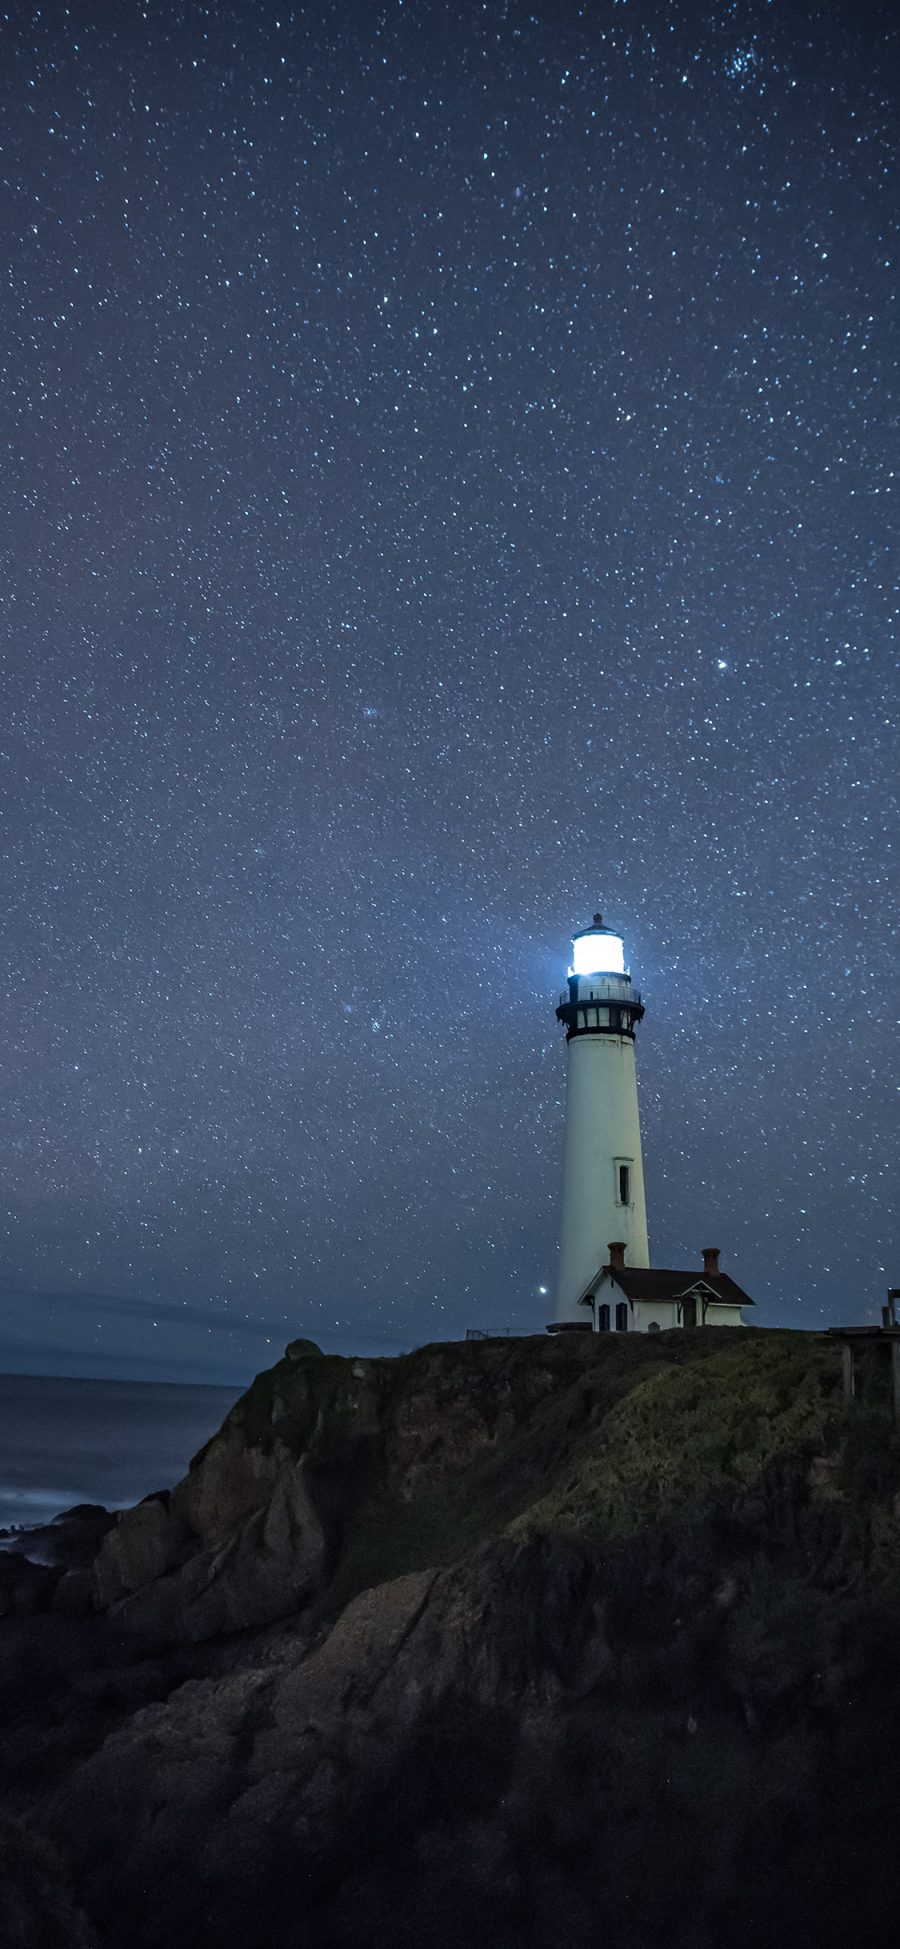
(48, 1565)
(514, 1643)
(37, 1908)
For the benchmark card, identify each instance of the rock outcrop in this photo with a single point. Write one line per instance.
(261, 1519)
(514, 1642)
(49, 1563)
(237, 1543)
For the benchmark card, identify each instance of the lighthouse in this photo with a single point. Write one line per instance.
(603, 1173)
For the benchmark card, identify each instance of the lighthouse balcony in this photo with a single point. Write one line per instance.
(602, 992)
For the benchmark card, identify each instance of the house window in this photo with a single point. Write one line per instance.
(623, 1184)
(622, 1317)
(603, 1319)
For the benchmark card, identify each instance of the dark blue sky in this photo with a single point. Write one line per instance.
(451, 467)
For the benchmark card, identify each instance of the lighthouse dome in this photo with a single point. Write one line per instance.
(597, 950)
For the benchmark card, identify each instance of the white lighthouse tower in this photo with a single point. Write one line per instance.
(603, 1174)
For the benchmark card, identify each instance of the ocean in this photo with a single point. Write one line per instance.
(68, 1441)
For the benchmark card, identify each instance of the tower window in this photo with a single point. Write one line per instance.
(624, 1177)
(622, 1317)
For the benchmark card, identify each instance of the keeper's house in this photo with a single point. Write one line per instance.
(651, 1299)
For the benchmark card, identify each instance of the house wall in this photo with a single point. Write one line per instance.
(608, 1294)
(724, 1316)
(662, 1313)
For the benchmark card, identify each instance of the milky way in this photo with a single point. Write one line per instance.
(450, 473)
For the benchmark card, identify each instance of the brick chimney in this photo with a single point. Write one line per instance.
(711, 1261)
(617, 1255)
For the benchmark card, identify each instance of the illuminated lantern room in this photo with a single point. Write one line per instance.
(597, 950)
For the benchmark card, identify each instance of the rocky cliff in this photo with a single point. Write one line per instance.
(588, 1639)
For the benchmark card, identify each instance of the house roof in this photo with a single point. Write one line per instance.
(656, 1283)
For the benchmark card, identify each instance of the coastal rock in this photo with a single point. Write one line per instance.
(70, 1542)
(451, 1649)
(37, 1909)
(302, 1350)
(73, 1596)
(74, 1537)
(238, 1543)
(35, 1563)
(144, 1543)
(249, 1533)
(24, 1586)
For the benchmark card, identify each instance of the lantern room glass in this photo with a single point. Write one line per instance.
(597, 953)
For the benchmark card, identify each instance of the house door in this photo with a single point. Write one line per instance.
(689, 1311)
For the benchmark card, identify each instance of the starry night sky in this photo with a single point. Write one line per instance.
(450, 485)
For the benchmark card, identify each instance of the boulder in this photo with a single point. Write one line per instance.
(37, 1910)
(239, 1544)
(25, 1587)
(302, 1350)
(145, 1543)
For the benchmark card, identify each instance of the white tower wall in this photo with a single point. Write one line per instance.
(603, 1138)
